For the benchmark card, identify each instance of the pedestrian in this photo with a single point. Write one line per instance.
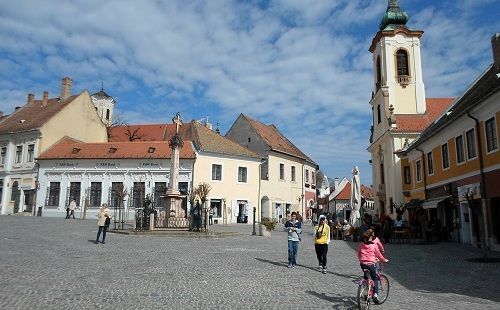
(294, 229)
(321, 241)
(103, 220)
(368, 254)
(346, 230)
(197, 216)
(67, 212)
(211, 216)
(72, 208)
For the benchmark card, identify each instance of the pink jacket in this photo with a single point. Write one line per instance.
(368, 253)
(379, 244)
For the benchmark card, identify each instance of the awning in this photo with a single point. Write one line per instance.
(432, 203)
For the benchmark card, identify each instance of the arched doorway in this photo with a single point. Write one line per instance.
(15, 196)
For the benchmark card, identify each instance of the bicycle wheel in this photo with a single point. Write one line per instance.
(383, 289)
(362, 298)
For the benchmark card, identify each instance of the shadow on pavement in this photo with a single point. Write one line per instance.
(443, 267)
(341, 302)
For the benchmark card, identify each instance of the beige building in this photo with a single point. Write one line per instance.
(231, 170)
(287, 177)
(31, 130)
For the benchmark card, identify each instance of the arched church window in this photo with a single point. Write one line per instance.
(107, 114)
(379, 73)
(378, 114)
(402, 63)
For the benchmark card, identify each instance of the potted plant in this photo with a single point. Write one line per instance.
(269, 226)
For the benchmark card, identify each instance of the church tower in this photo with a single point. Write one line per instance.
(105, 105)
(398, 89)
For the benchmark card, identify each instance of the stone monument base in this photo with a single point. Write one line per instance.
(177, 222)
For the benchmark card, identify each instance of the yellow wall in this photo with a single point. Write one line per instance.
(229, 188)
(78, 120)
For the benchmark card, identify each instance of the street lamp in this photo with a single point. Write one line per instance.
(254, 211)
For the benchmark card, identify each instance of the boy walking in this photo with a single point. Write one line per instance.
(294, 229)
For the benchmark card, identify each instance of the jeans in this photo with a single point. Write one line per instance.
(71, 214)
(321, 252)
(103, 229)
(373, 274)
(293, 248)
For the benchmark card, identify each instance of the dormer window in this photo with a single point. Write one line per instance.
(112, 149)
(151, 149)
(75, 150)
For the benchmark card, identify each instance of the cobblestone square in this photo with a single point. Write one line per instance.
(51, 263)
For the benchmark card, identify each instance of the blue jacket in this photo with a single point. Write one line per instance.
(293, 229)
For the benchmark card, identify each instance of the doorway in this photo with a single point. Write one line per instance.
(242, 212)
(15, 196)
(29, 200)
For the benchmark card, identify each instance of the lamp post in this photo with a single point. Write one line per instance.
(254, 211)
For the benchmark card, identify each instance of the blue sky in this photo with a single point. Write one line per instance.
(302, 65)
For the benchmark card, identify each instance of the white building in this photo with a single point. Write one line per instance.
(94, 171)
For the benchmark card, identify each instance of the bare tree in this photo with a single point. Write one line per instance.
(120, 192)
(117, 121)
(203, 190)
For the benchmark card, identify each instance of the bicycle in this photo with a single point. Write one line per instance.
(366, 289)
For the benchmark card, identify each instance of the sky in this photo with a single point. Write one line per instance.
(302, 65)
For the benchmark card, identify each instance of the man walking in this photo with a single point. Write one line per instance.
(72, 208)
(294, 229)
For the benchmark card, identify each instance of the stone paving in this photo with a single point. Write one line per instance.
(51, 263)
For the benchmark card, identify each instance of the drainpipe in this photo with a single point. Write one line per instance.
(423, 172)
(482, 184)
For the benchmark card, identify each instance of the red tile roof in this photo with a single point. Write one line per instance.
(345, 193)
(33, 115)
(418, 122)
(276, 140)
(366, 192)
(68, 148)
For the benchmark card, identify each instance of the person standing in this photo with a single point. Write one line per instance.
(103, 220)
(72, 208)
(294, 229)
(321, 241)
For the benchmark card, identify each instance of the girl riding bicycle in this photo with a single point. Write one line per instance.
(368, 254)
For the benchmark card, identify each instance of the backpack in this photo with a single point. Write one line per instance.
(107, 221)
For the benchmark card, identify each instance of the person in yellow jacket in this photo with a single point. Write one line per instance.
(321, 241)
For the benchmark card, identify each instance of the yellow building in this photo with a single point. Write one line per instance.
(454, 167)
(32, 129)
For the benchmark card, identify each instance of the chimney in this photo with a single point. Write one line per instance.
(45, 98)
(336, 183)
(495, 44)
(31, 98)
(208, 125)
(66, 88)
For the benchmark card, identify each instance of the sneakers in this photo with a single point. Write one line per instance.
(290, 265)
(324, 270)
(293, 265)
(320, 267)
(375, 298)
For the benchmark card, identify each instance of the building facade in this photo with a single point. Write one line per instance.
(31, 130)
(287, 175)
(454, 167)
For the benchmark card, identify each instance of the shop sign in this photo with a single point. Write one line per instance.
(469, 190)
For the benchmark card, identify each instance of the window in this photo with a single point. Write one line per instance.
(19, 154)
(430, 164)
(293, 173)
(460, 149)
(31, 153)
(419, 170)
(307, 176)
(138, 194)
(160, 189)
(217, 172)
(107, 114)
(312, 177)
(382, 175)
(74, 192)
(242, 174)
(54, 191)
(402, 63)
(379, 73)
(282, 171)
(378, 114)
(491, 134)
(3, 155)
(444, 153)
(95, 194)
(407, 174)
(471, 143)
